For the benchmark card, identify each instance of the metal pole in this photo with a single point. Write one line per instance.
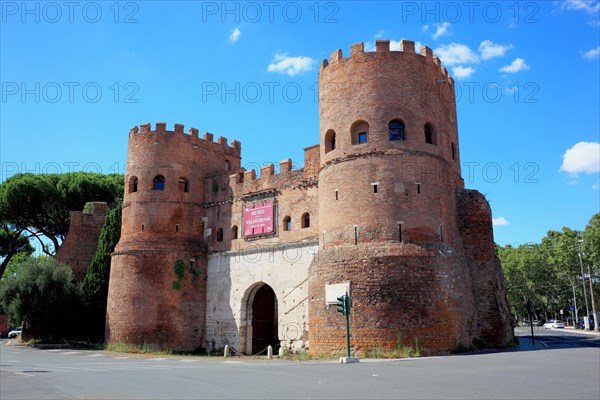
(575, 301)
(587, 309)
(592, 298)
(347, 301)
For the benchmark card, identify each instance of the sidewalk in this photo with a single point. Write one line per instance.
(582, 332)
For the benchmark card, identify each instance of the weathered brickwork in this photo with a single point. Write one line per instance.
(380, 203)
(79, 246)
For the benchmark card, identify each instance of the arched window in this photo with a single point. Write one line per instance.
(329, 141)
(429, 134)
(227, 165)
(360, 132)
(453, 152)
(219, 234)
(396, 130)
(184, 185)
(133, 184)
(159, 183)
(287, 223)
(234, 232)
(305, 220)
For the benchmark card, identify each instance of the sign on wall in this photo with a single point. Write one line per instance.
(258, 219)
(333, 291)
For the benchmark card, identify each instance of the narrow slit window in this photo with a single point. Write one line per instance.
(234, 232)
(336, 195)
(400, 233)
(142, 226)
(220, 235)
(355, 235)
(176, 227)
(418, 188)
(453, 152)
(375, 187)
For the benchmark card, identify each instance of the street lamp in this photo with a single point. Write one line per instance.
(587, 309)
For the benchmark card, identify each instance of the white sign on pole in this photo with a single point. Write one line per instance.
(333, 291)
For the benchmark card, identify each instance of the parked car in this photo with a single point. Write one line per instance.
(553, 323)
(14, 333)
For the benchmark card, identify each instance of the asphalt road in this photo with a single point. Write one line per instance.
(562, 365)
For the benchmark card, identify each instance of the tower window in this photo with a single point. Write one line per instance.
(360, 132)
(453, 148)
(184, 185)
(396, 129)
(287, 223)
(133, 184)
(336, 195)
(305, 220)
(329, 141)
(429, 134)
(159, 183)
(176, 227)
(418, 188)
(219, 234)
(400, 233)
(375, 187)
(234, 232)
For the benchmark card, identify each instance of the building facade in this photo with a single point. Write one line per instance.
(212, 255)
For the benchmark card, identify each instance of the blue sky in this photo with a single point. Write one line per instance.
(76, 76)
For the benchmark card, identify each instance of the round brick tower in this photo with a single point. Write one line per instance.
(389, 176)
(157, 289)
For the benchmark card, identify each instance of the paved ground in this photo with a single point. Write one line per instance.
(562, 365)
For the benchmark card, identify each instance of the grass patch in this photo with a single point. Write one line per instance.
(401, 351)
(122, 347)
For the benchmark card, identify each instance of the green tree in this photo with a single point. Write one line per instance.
(41, 204)
(42, 297)
(12, 242)
(95, 282)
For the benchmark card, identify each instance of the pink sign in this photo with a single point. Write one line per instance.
(258, 219)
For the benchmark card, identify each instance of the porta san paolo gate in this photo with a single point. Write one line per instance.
(212, 255)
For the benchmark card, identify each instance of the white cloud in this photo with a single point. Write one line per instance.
(441, 29)
(596, 186)
(461, 72)
(591, 54)
(488, 49)
(455, 53)
(292, 66)
(500, 221)
(369, 46)
(235, 35)
(424, 28)
(588, 6)
(517, 65)
(379, 34)
(583, 157)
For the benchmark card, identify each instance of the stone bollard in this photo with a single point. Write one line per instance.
(226, 352)
(270, 352)
(281, 352)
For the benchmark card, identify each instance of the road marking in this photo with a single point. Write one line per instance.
(23, 374)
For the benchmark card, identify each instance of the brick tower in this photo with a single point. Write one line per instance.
(157, 289)
(391, 206)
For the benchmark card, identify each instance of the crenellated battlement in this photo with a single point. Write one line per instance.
(192, 135)
(266, 172)
(383, 46)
